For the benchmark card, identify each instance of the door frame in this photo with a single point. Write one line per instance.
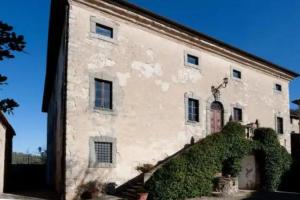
(221, 111)
(209, 101)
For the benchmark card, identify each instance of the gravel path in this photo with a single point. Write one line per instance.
(251, 195)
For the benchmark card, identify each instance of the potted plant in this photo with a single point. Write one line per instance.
(91, 190)
(144, 168)
(143, 194)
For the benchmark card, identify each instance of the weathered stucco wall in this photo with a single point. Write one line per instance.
(2, 156)
(150, 81)
(295, 125)
(249, 177)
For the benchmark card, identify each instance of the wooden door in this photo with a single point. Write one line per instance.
(216, 119)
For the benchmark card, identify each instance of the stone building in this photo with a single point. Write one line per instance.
(295, 117)
(6, 136)
(295, 123)
(126, 87)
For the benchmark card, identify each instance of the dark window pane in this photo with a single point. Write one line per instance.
(237, 114)
(237, 74)
(193, 110)
(278, 87)
(104, 30)
(103, 152)
(192, 59)
(103, 94)
(280, 125)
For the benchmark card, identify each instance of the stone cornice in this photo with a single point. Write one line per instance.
(186, 36)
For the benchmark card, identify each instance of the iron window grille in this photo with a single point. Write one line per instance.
(103, 152)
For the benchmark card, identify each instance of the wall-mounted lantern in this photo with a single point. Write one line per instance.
(216, 90)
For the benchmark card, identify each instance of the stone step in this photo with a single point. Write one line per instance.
(129, 195)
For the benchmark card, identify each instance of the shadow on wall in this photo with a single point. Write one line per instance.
(89, 184)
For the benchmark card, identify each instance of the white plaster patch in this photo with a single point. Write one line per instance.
(186, 75)
(163, 85)
(150, 55)
(123, 78)
(99, 61)
(147, 70)
(109, 62)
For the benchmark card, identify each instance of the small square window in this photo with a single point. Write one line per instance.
(194, 60)
(278, 87)
(237, 74)
(103, 152)
(193, 110)
(237, 114)
(279, 121)
(103, 94)
(104, 30)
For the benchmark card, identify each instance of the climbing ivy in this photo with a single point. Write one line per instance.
(191, 173)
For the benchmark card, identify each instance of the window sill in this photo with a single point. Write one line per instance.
(194, 123)
(239, 80)
(189, 65)
(278, 92)
(100, 37)
(102, 165)
(104, 111)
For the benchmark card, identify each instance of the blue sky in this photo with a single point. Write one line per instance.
(267, 28)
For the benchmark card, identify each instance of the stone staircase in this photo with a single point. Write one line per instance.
(130, 189)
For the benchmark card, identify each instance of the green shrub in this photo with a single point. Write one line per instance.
(274, 158)
(191, 173)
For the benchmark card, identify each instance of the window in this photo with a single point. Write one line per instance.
(236, 74)
(103, 94)
(104, 30)
(194, 60)
(237, 114)
(278, 87)
(103, 152)
(279, 124)
(193, 110)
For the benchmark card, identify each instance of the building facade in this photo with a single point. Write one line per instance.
(295, 123)
(6, 136)
(126, 87)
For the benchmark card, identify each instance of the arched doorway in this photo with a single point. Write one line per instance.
(216, 117)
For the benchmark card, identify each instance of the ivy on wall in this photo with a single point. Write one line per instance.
(191, 173)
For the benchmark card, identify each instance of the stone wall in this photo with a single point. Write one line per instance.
(150, 83)
(295, 125)
(249, 177)
(2, 156)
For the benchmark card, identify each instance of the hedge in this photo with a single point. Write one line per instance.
(274, 158)
(191, 173)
